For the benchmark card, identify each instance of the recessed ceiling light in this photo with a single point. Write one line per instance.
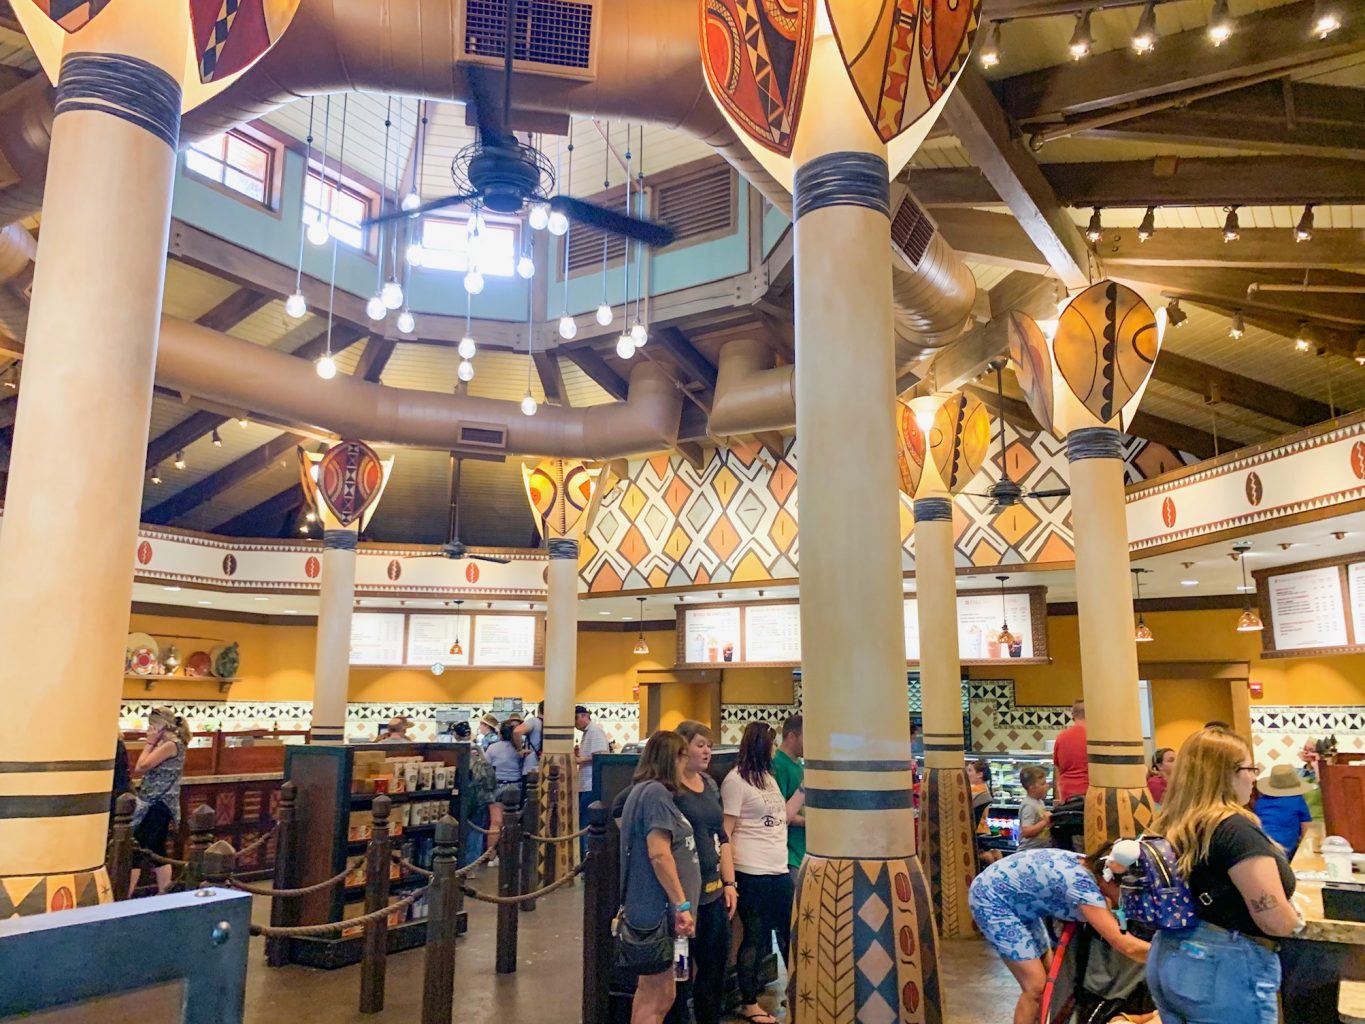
(1246, 588)
(290, 611)
(204, 602)
(1189, 583)
(173, 590)
(604, 613)
(261, 599)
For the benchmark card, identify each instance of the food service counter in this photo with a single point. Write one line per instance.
(1327, 951)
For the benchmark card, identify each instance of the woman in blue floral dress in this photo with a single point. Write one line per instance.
(158, 797)
(1012, 899)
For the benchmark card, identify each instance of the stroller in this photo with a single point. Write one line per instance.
(1091, 983)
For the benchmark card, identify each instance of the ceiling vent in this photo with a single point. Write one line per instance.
(480, 441)
(552, 36)
(912, 231)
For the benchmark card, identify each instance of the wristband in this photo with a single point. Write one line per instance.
(684, 905)
(731, 885)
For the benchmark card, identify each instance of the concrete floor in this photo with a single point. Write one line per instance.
(548, 984)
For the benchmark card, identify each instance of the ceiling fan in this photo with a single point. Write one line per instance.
(501, 174)
(455, 548)
(1006, 492)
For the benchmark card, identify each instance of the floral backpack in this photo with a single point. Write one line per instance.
(1154, 892)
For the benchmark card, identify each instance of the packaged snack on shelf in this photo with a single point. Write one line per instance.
(412, 775)
(441, 777)
(426, 773)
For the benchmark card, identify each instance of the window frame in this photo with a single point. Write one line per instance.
(347, 186)
(492, 220)
(272, 180)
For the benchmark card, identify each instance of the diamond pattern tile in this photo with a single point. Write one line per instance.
(873, 912)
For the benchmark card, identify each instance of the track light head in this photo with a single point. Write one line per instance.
(1144, 37)
(1232, 227)
(1095, 230)
(1220, 23)
(1303, 231)
(1148, 226)
(1302, 342)
(989, 54)
(1082, 42)
(1238, 326)
(1175, 314)
(1326, 18)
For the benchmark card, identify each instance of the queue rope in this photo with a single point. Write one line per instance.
(260, 840)
(301, 930)
(327, 883)
(523, 897)
(157, 858)
(463, 872)
(557, 839)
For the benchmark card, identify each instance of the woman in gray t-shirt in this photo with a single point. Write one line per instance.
(660, 871)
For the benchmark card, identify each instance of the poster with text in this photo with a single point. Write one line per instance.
(443, 639)
(1306, 609)
(772, 632)
(1355, 584)
(979, 622)
(376, 638)
(505, 640)
(713, 635)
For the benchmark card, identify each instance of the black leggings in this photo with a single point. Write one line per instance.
(710, 949)
(765, 907)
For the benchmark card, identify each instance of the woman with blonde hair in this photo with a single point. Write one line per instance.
(161, 765)
(1225, 967)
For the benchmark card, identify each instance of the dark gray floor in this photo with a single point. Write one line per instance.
(548, 983)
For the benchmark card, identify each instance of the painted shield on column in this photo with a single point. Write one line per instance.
(560, 492)
(350, 477)
(756, 53)
(1106, 343)
(964, 429)
(902, 55)
(72, 15)
(1032, 364)
(910, 462)
(230, 35)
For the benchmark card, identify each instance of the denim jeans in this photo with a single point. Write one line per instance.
(584, 802)
(1203, 975)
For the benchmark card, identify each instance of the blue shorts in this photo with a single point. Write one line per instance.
(1013, 937)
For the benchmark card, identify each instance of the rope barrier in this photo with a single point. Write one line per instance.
(483, 831)
(157, 858)
(339, 926)
(479, 861)
(557, 839)
(523, 897)
(260, 840)
(260, 890)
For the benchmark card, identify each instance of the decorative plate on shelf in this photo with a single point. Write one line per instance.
(142, 662)
(199, 665)
(226, 659)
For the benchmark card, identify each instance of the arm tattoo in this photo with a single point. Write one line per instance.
(1262, 903)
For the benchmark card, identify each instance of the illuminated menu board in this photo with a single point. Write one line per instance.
(377, 638)
(769, 633)
(432, 637)
(1312, 608)
(505, 640)
(422, 640)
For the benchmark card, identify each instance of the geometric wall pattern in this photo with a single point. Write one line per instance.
(735, 520)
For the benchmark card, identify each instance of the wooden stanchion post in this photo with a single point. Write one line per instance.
(201, 837)
(220, 861)
(283, 913)
(530, 849)
(120, 864)
(444, 900)
(509, 875)
(601, 898)
(554, 823)
(377, 860)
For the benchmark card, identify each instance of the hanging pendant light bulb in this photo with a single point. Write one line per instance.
(568, 327)
(410, 201)
(326, 367)
(375, 308)
(625, 345)
(529, 405)
(1095, 231)
(558, 223)
(605, 315)
(641, 644)
(392, 293)
(456, 648)
(1142, 634)
(1249, 621)
(1005, 637)
(406, 322)
(296, 305)
(538, 216)
(317, 232)
(414, 254)
(473, 281)
(638, 334)
(465, 371)
(526, 267)
(467, 347)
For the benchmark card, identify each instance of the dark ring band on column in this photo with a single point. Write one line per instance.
(842, 179)
(858, 799)
(933, 510)
(563, 547)
(129, 88)
(339, 540)
(56, 805)
(1094, 443)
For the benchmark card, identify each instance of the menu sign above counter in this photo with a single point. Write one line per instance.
(421, 640)
(769, 632)
(1313, 608)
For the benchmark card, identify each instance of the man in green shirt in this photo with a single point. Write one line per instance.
(790, 779)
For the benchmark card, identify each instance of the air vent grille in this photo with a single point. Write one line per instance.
(481, 436)
(552, 32)
(912, 231)
(585, 248)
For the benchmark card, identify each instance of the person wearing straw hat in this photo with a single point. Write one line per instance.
(1281, 806)
(488, 730)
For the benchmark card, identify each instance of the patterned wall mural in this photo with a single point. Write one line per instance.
(669, 524)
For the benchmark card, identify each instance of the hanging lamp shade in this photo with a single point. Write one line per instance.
(641, 644)
(345, 483)
(1142, 634)
(1249, 621)
(564, 495)
(954, 432)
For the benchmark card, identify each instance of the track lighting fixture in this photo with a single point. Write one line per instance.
(1148, 226)
(1095, 231)
(1359, 355)
(1326, 18)
(989, 54)
(1302, 343)
(243, 422)
(217, 441)
(1175, 314)
(1144, 38)
(156, 474)
(1303, 231)
(1232, 228)
(1220, 23)
(1238, 326)
(1081, 39)
(180, 459)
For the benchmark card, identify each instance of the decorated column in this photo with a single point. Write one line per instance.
(76, 468)
(343, 488)
(564, 495)
(1084, 384)
(833, 97)
(943, 443)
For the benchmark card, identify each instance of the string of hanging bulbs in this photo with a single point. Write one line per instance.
(1326, 19)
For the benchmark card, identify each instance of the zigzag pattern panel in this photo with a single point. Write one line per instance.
(43, 894)
(735, 520)
(1116, 814)
(556, 815)
(947, 848)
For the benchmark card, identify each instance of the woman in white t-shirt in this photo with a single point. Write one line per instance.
(756, 821)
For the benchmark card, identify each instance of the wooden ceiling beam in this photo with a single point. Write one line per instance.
(378, 352)
(993, 145)
(596, 368)
(1166, 182)
(685, 354)
(1256, 249)
(234, 309)
(182, 435)
(279, 504)
(1339, 310)
(1271, 40)
(551, 377)
(343, 337)
(253, 462)
(994, 238)
(1234, 389)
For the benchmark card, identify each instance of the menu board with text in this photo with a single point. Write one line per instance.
(505, 640)
(431, 638)
(1355, 586)
(772, 632)
(1306, 609)
(376, 638)
(979, 622)
(712, 635)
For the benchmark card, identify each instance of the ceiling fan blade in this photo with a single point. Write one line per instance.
(973, 494)
(647, 231)
(425, 208)
(490, 558)
(428, 554)
(1059, 492)
(490, 120)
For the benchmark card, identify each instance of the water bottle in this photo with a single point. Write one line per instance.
(682, 964)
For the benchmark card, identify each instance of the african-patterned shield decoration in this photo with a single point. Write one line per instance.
(560, 492)
(1032, 365)
(1106, 343)
(756, 54)
(71, 15)
(959, 441)
(910, 463)
(350, 477)
(902, 55)
(230, 35)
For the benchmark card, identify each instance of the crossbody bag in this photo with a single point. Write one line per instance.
(640, 951)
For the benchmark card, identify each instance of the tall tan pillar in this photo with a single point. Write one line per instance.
(861, 883)
(1118, 802)
(332, 659)
(76, 468)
